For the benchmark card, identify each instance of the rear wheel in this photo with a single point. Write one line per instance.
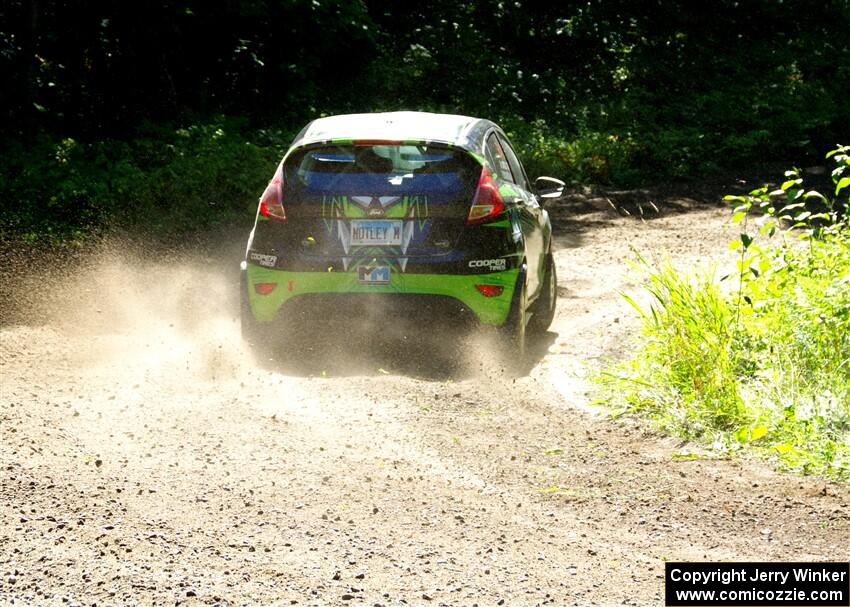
(513, 332)
(543, 310)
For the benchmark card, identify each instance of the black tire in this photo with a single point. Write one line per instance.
(543, 310)
(513, 332)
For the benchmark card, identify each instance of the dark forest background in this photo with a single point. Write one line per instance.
(173, 114)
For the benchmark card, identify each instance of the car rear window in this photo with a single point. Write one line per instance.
(380, 169)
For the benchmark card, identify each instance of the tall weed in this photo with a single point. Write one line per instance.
(759, 358)
(682, 372)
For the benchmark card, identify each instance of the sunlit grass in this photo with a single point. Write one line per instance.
(763, 363)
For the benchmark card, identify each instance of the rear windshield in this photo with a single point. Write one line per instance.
(380, 169)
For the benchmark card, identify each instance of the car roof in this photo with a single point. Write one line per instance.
(461, 131)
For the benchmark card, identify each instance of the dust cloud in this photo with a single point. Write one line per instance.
(140, 308)
(129, 307)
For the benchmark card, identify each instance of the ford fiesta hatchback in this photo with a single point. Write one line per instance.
(406, 213)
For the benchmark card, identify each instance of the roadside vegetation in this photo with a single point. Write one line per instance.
(757, 359)
(164, 180)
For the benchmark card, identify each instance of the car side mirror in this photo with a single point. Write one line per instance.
(549, 187)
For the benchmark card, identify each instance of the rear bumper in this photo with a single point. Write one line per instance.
(320, 294)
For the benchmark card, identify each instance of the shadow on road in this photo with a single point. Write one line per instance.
(434, 352)
(582, 211)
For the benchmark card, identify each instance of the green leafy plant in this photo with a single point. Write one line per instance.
(165, 180)
(765, 364)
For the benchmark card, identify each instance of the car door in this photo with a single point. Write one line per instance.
(531, 217)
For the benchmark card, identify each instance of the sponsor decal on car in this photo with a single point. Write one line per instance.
(379, 275)
(268, 261)
(495, 265)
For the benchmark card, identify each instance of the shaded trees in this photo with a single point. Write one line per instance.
(98, 93)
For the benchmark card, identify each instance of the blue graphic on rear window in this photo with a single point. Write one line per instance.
(380, 170)
(445, 185)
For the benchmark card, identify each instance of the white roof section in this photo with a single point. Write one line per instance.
(393, 126)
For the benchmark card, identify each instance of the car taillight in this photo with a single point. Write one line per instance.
(490, 290)
(271, 202)
(264, 288)
(487, 203)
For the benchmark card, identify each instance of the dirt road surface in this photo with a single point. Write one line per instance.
(149, 459)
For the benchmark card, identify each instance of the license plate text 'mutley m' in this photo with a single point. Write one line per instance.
(375, 232)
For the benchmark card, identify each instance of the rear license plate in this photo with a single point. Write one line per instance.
(376, 232)
(379, 275)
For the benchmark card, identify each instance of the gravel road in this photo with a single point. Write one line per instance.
(149, 459)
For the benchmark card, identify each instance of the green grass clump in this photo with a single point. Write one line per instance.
(683, 372)
(763, 363)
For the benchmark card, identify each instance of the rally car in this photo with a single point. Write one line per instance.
(401, 213)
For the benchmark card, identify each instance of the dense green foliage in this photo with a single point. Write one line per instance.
(161, 181)
(766, 362)
(589, 90)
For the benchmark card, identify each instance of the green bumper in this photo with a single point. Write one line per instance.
(489, 310)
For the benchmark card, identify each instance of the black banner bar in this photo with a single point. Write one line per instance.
(757, 584)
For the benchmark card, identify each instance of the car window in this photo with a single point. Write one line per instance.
(380, 170)
(516, 167)
(498, 159)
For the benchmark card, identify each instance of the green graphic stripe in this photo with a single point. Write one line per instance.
(489, 310)
(504, 223)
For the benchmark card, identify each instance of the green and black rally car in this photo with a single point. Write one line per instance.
(405, 213)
